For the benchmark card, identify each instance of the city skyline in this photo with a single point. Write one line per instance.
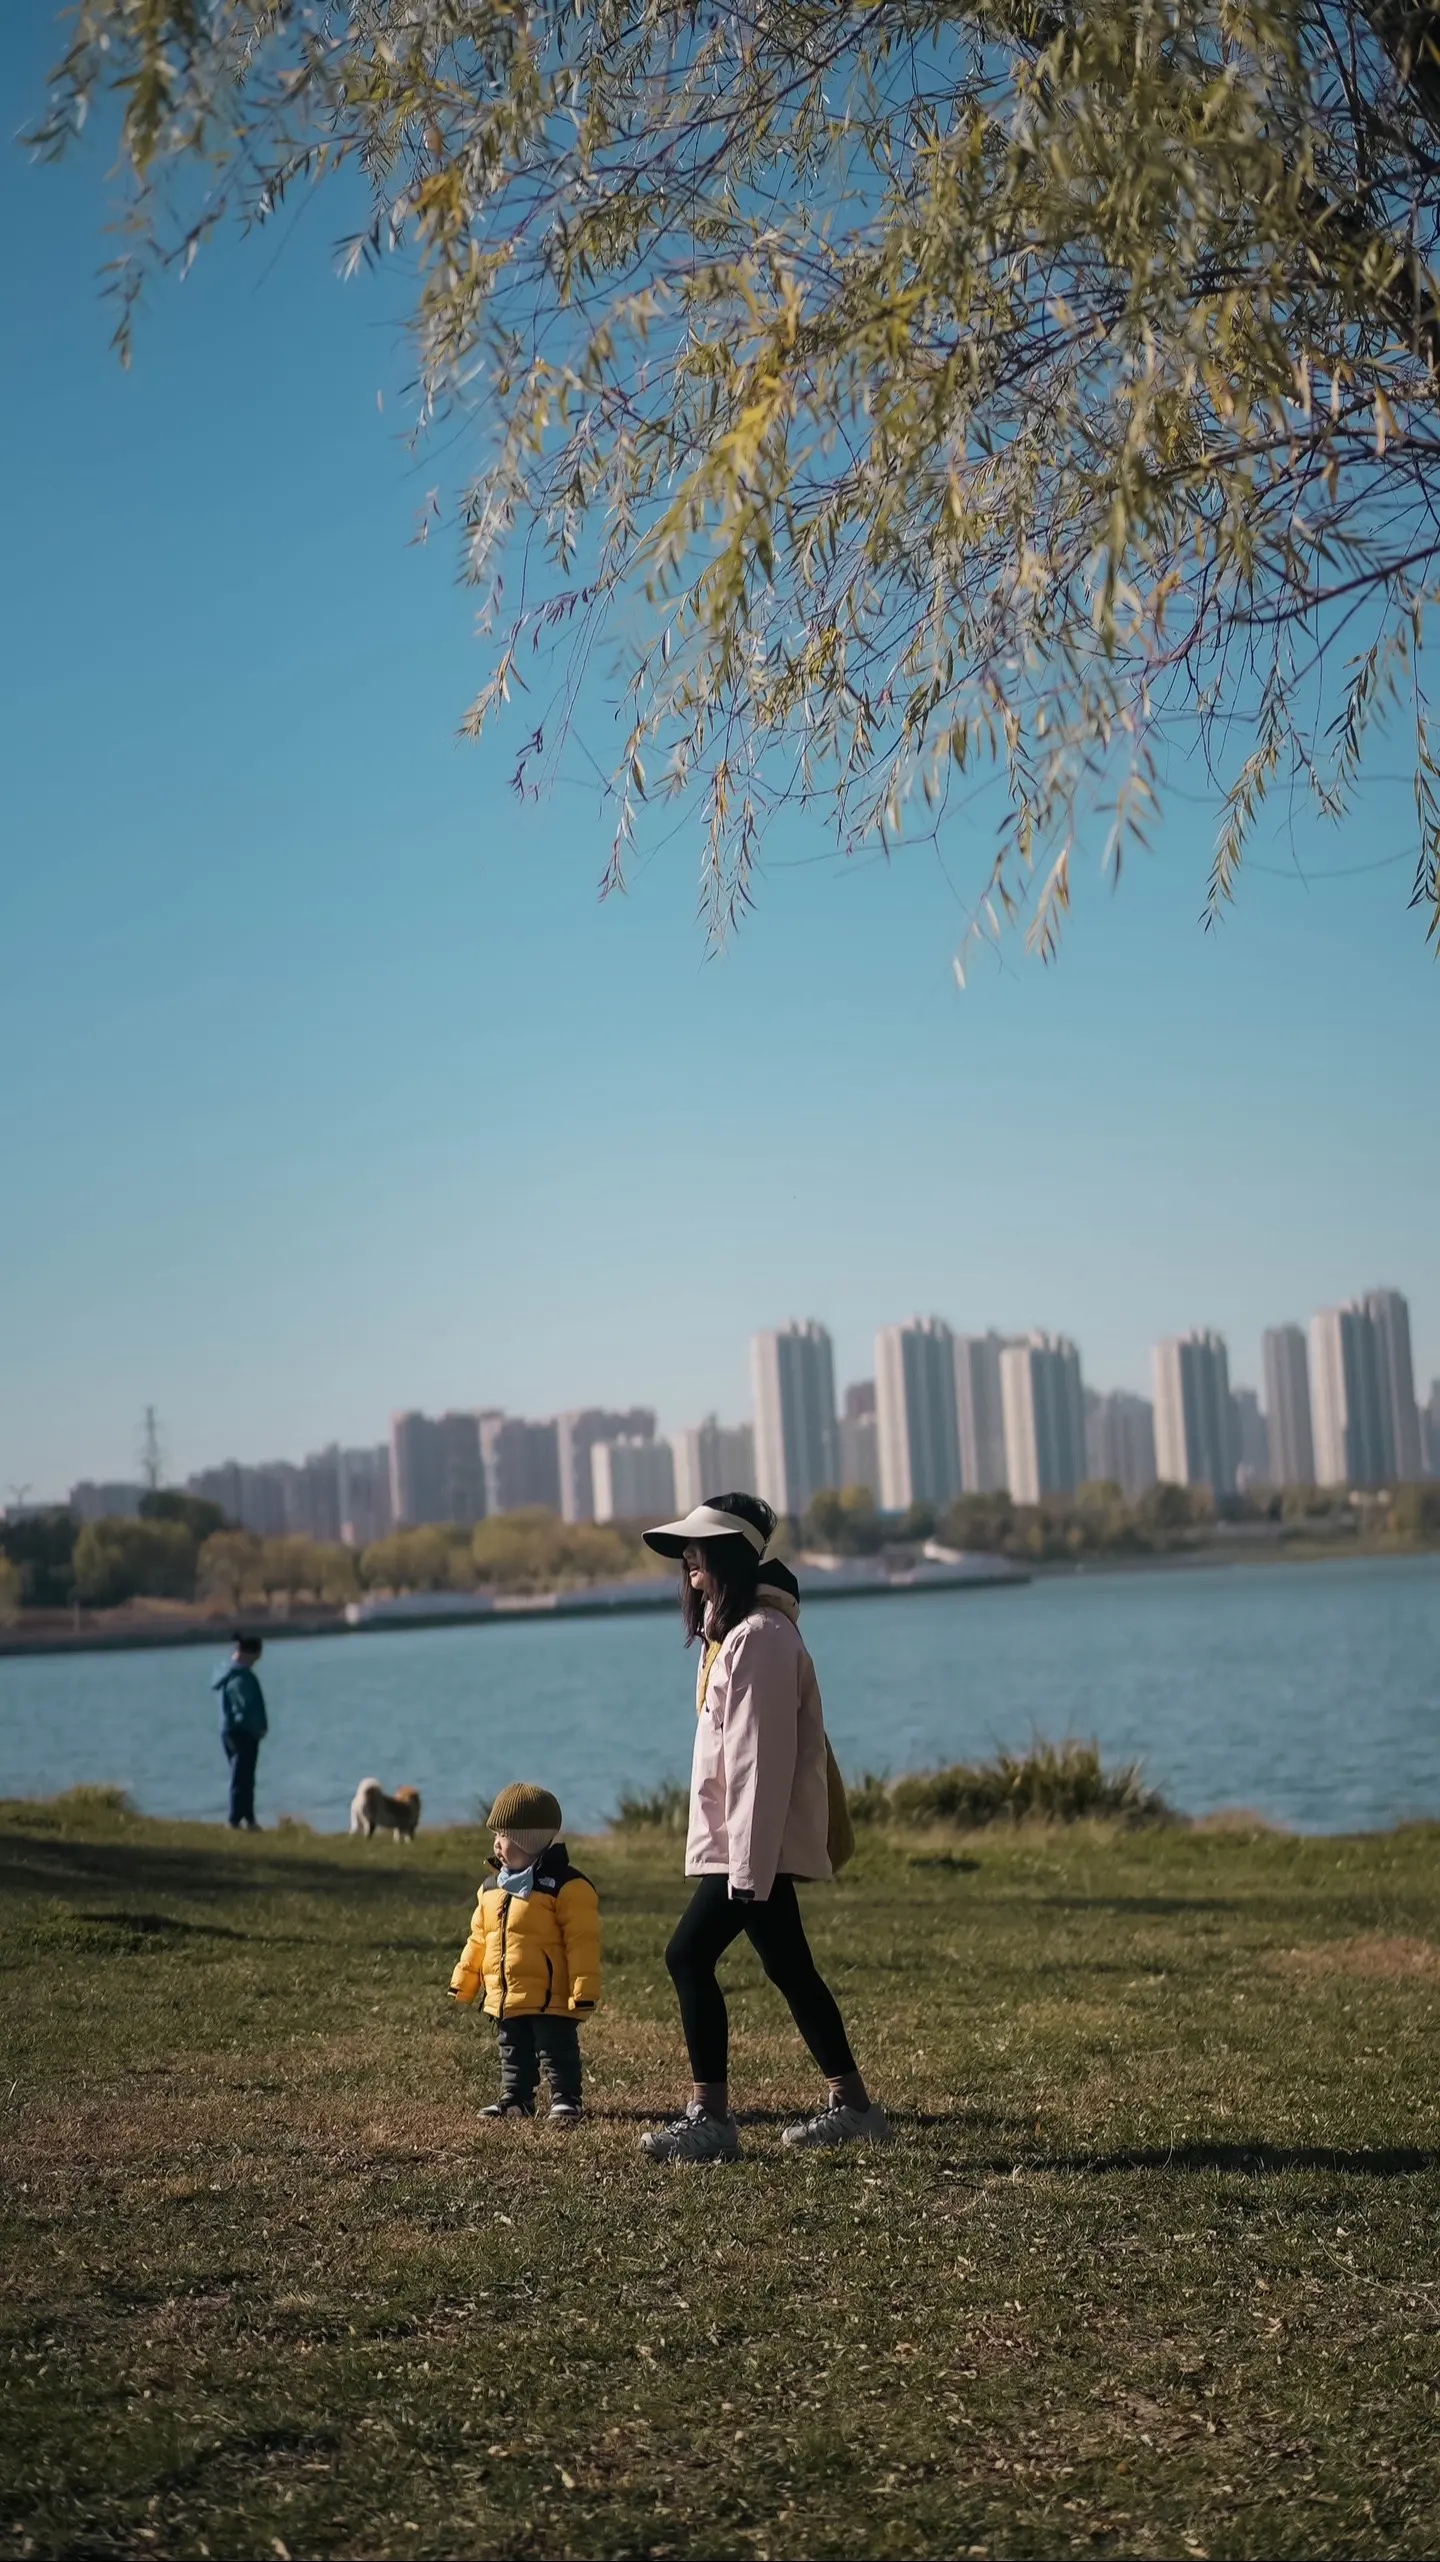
(979, 1416)
(1287, 1352)
(944, 1414)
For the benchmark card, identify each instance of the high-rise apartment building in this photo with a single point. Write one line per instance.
(1249, 1438)
(267, 1505)
(576, 1436)
(1120, 1441)
(220, 1485)
(436, 1470)
(980, 1412)
(414, 1471)
(312, 1496)
(1430, 1431)
(859, 1438)
(916, 1431)
(1291, 1439)
(1351, 1401)
(793, 1376)
(463, 1467)
(260, 1499)
(314, 1501)
(363, 1486)
(522, 1463)
(1043, 1401)
(633, 1480)
(267, 1501)
(1194, 1417)
(1389, 1313)
(712, 1458)
(116, 1500)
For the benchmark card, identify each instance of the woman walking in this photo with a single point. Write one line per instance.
(759, 1819)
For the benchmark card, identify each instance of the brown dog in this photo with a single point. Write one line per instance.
(371, 1811)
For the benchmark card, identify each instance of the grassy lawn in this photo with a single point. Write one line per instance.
(1152, 2268)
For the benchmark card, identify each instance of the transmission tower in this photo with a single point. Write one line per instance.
(152, 1450)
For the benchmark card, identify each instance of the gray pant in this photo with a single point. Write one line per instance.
(525, 2043)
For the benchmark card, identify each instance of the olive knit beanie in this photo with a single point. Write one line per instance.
(524, 1808)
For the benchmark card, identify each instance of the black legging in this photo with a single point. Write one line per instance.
(776, 1932)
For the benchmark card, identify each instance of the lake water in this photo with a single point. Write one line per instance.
(1311, 1693)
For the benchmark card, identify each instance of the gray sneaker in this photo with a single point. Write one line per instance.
(695, 2137)
(840, 2125)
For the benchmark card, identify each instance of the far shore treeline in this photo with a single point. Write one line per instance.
(181, 1553)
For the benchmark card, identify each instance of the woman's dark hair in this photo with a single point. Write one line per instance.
(734, 1571)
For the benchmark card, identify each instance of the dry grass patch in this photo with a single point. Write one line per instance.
(1236, 1819)
(1373, 1954)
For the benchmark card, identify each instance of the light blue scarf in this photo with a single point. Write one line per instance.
(518, 1881)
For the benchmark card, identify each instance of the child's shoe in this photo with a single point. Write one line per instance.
(698, 2136)
(839, 2124)
(566, 2112)
(504, 2107)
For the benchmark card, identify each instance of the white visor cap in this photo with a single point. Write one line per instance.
(722, 1518)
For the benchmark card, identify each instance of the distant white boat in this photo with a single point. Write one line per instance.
(419, 1609)
(933, 1568)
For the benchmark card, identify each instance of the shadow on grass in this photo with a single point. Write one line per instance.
(1254, 2160)
(664, 2111)
(1381, 2161)
(1142, 1903)
(157, 1926)
(248, 2452)
(45, 1863)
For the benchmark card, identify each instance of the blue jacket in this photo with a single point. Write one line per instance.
(242, 1702)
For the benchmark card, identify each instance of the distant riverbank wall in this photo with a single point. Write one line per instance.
(860, 1581)
(865, 1579)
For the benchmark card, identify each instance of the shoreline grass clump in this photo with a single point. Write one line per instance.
(665, 1808)
(1054, 1783)
(98, 1802)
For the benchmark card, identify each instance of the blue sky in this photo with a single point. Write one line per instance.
(332, 1086)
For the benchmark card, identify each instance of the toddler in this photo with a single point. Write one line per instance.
(534, 1954)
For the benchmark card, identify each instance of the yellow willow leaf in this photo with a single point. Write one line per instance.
(1384, 422)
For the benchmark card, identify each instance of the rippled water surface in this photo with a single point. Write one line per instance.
(1311, 1693)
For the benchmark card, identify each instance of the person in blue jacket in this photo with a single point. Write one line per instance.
(243, 1725)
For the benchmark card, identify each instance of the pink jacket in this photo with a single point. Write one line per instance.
(759, 1805)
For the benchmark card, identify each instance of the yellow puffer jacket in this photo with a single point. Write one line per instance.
(536, 1952)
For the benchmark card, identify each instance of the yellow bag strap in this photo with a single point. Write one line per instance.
(707, 1666)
